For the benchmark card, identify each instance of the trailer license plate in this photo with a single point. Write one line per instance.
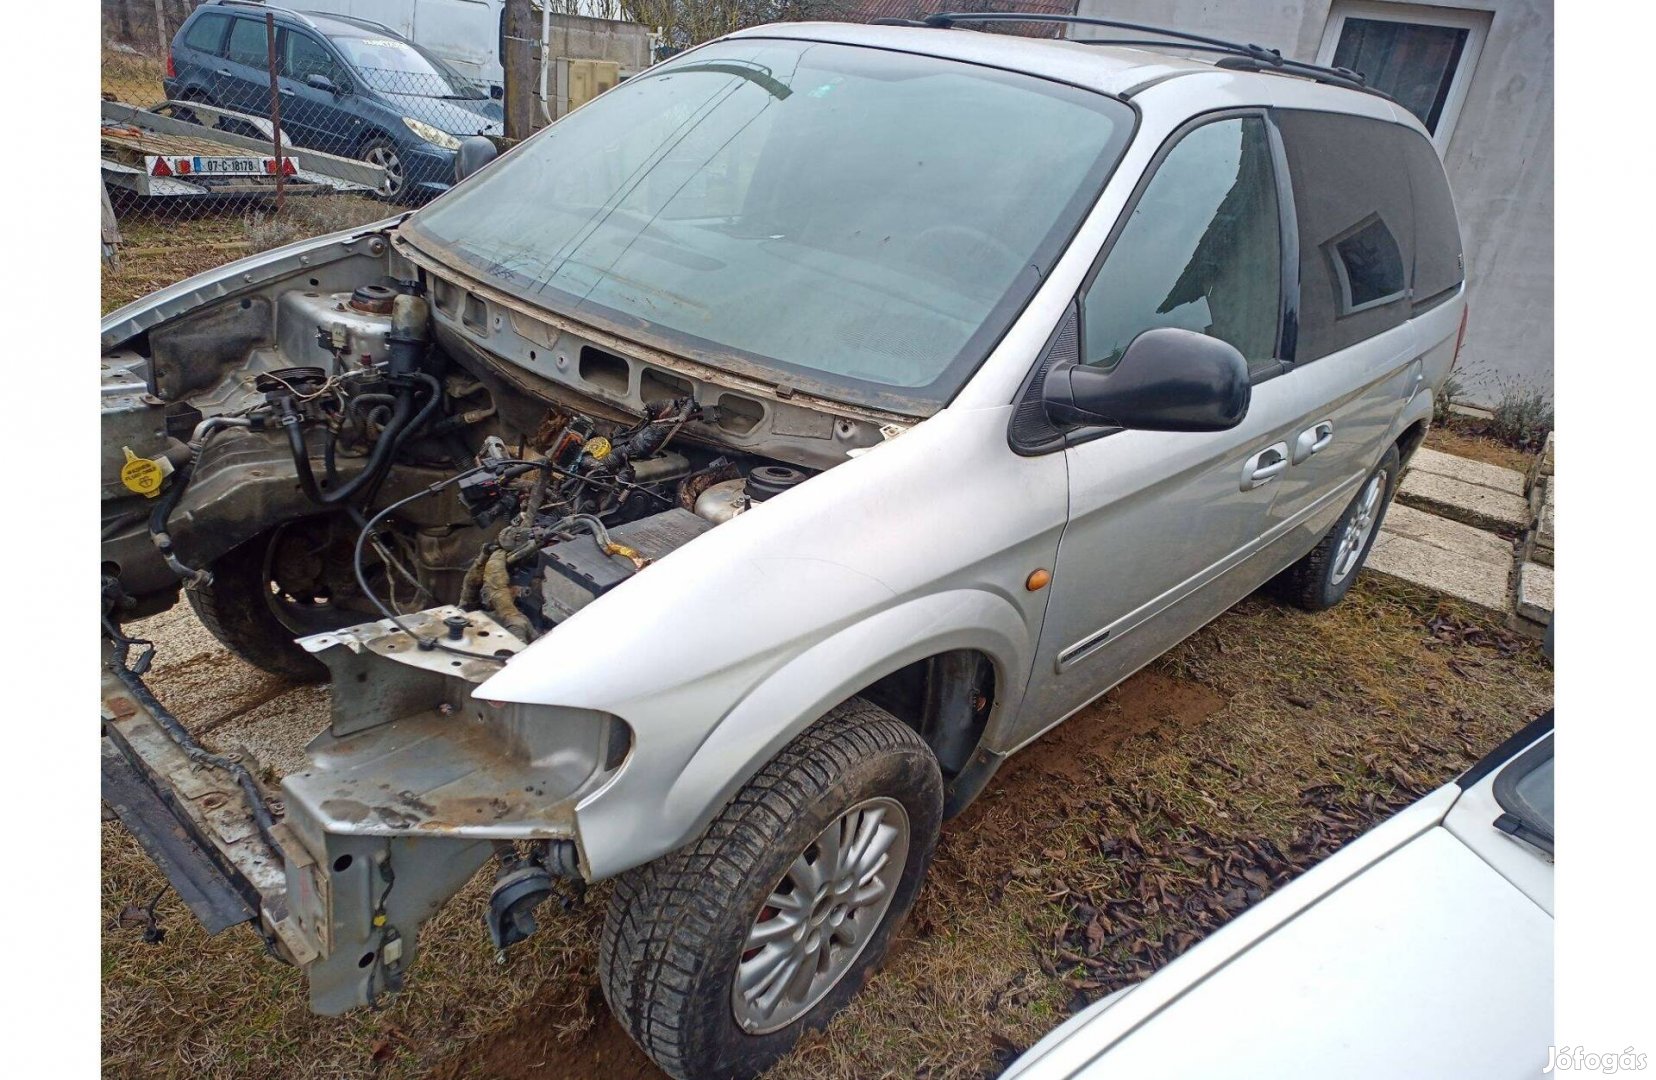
(203, 165)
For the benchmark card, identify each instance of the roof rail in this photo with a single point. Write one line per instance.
(303, 17)
(1237, 56)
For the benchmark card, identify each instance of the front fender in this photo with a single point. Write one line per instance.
(632, 821)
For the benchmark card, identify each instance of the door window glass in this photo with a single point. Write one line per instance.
(303, 56)
(1202, 250)
(1414, 63)
(249, 44)
(1356, 226)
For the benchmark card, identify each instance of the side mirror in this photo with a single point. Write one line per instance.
(1167, 380)
(318, 81)
(475, 152)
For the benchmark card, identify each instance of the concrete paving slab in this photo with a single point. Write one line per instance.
(1473, 472)
(1472, 504)
(1541, 545)
(1535, 592)
(1444, 556)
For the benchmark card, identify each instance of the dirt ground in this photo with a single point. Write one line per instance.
(1112, 845)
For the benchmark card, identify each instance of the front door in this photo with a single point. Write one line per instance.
(1161, 524)
(315, 116)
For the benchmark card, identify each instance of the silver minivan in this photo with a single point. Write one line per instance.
(711, 492)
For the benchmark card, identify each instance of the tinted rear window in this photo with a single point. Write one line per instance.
(1438, 268)
(1356, 227)
(206, 34)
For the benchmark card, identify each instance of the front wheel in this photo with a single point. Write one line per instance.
(717, 957)
(383, 152)
(290, 581)
(1322, 578)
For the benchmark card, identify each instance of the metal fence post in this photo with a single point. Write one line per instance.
(161, 30)
(275, 106)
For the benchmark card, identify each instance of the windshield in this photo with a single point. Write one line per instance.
(397, 67)
(865, 223)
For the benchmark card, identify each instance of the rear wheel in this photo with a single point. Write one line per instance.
(1322, 578)
(717, 957)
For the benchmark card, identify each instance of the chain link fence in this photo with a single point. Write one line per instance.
(228, 129)
(249, 132)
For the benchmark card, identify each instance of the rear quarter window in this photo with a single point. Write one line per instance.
(1438, 266)
(206, 34)
(1356, 224)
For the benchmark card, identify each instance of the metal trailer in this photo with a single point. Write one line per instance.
(141, 149)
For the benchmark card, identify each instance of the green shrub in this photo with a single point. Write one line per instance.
(1523, 416)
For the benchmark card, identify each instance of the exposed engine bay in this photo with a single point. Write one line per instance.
(359, 465)
(260, 434)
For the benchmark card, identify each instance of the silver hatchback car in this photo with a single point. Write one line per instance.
(714, 490)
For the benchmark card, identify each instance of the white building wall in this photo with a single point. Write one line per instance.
(1499, 161)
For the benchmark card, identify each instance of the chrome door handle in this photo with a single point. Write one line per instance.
(1265, 466)
(1312, 439)
(223, 73)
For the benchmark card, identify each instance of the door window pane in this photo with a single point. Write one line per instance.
(1202, 250)
(249, 44)
(1369, 265)
(304, 56)
(1413, 62)
(1356, 226)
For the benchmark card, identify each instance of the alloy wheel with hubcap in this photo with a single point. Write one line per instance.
(1322, 576)
(718, 956)
(385, 155)
(1354, 540)
(819, 917)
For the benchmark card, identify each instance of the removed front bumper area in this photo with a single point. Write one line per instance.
(402, 800)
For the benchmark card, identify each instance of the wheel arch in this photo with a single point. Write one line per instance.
(1411, 438)
(625, 825)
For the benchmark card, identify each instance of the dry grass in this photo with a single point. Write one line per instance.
(1145, 817)
(1468, 437)
(133, 77)
(167, 240)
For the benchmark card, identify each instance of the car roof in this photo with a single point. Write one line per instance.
(327, 23)
(1116, 70)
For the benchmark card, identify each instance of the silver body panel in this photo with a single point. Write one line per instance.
(918, 540)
